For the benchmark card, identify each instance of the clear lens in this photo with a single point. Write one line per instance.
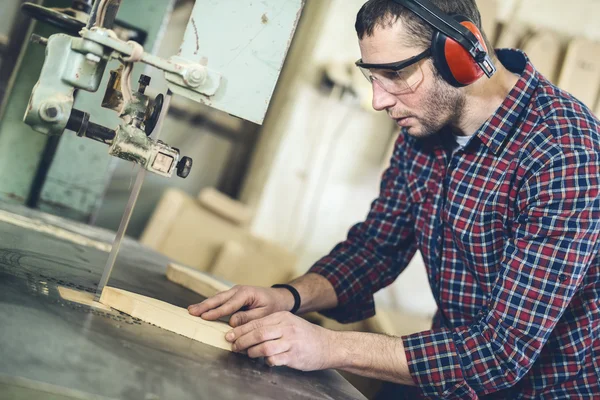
(396, 82)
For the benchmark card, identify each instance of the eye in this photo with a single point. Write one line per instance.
(391, 75)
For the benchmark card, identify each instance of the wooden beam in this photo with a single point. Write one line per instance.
(195, 280)
(81, 297)
(580, 74)
(544, 49)
(158, 228)
(167, 316)
(224, 206)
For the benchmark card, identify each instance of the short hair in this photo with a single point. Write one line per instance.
(384, 13)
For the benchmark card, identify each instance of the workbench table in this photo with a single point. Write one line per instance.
(54, 348)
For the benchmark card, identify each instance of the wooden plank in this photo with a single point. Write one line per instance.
(44, 227)
(224, 206)
(167, 316)
(254, 262)
(544, 50)
(195, 280)
(81, 297)
(512, 35)
(170, 205)
(580, 74)
(489, 17)
(196, 235)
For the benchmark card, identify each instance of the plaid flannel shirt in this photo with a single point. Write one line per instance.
(508, 228)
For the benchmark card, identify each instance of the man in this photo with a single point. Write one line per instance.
(496, 182)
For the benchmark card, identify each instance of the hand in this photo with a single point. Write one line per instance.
(259, 302)
(285, 339)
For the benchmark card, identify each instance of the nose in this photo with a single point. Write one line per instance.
(382, 100)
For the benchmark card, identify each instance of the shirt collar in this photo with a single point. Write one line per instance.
(501, 125)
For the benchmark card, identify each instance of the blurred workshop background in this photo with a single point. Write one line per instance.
(262, 202)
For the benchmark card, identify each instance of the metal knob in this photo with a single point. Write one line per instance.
(152, 120)
(184, 166)
(144, 81)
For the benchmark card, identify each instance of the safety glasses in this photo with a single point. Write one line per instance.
(396, 78)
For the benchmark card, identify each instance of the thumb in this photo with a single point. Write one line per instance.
(243, 317)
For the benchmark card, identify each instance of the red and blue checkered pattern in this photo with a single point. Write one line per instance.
(508, 228)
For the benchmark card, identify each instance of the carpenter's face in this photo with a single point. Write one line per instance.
(418, 99)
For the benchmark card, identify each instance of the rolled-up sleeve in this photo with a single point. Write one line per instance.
(376, 251)
(546, 255)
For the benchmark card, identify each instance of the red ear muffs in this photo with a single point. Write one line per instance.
(453, 62)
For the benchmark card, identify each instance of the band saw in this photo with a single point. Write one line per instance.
(53, 347)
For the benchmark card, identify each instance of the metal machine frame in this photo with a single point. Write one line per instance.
(79, 63)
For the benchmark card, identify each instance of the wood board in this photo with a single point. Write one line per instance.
(38, 225)
(512, 35)
(544, 50)
(232, 210)
(254, 262)
(195, 280)
(167, 316)
(158, 228)
(489, 17)
(580, 74)
(80, 297)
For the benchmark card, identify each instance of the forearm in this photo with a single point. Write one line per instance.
(371, 355)
(316, 293)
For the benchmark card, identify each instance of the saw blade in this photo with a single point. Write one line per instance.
(135, 191)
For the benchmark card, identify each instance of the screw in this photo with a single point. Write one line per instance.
(195, 77)
(144, 80)
(50, 112)
(93, 58)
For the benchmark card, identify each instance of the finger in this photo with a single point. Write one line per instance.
(243, 317)
(279, 359)
(211, 302)
(269, 349)
(241, 330)
(232, 305)
(257, 336)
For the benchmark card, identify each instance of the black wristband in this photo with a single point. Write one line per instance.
(294, 293)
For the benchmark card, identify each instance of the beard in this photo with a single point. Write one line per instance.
(443, 106)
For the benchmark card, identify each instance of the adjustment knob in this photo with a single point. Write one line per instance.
(184, 166)
(144, 81)
(152, 120)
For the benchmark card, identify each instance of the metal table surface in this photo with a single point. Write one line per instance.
(50, 345)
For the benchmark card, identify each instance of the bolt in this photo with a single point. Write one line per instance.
(144, 80)
(93, 58)
(50, 112)
(195, 77)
